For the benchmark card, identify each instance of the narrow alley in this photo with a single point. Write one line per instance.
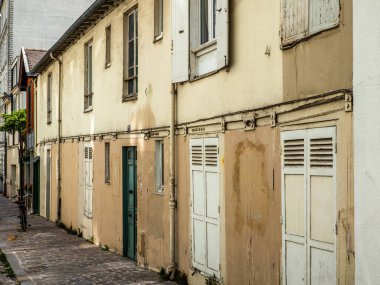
(46, 254)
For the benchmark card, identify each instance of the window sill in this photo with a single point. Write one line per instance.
(130, 98)
(205, 48)
(89, 109)
(158, 38)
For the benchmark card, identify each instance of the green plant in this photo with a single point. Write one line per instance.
(212, 280)
(7, 268)
(91, 239)
(14, 122)
(177, 276)
(105, 248)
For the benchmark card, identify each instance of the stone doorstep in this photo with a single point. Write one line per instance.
(21, 275)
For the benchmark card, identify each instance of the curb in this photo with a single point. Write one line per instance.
(21, 275)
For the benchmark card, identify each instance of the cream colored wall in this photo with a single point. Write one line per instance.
(254, 79)
(151, 109)
(47, 131)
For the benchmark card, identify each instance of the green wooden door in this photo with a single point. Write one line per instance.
(129, 202)
(36, 186)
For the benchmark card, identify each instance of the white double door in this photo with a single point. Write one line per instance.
(308, 206)
(204, 175)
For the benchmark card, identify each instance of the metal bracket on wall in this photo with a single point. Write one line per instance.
(348, 102)
(223, 124)
(185, 132)
(273, 119)
(250, 122)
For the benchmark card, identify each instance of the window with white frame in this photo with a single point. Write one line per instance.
(14, 75)
(302, 18)
(88, 87)
(22, 100)
(159, 161)
(130, 55)
(48, 99)
(199, 37)
(158, 19)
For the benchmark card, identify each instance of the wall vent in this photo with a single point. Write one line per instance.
(294, 153)
(322, 153)
(211, 152)
(196, 155)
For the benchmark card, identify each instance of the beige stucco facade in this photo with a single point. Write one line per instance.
(302, 87)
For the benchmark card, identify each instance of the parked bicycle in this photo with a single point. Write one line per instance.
(23, 214)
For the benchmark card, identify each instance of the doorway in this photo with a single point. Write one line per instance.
(36, 186)
(129, 201)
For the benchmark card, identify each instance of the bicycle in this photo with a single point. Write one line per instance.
(23, 215)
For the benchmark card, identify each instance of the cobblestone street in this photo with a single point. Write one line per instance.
(46, 254)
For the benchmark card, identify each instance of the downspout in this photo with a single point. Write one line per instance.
(172, 202)
(59, 205)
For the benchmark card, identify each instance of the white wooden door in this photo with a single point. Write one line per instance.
(88, 178)
(308, 206)
(204, 175)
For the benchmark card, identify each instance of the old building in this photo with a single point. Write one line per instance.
(366, 132)
(36, 24)
(210, 137)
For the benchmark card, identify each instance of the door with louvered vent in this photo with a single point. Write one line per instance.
(88, 178)
(308, 206)
(204, 165)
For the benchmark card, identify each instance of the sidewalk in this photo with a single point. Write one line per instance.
(46, 254)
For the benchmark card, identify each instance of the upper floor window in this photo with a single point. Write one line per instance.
(158, 19)
(130, 55)
(207, 11)
(108, 46)
(88, 79)
(48, 99)
(22, 100)
(302, 18)
(200, 38)
(14, 75)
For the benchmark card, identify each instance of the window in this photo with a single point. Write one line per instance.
(302, 18)
(159, 166)
(207, 20)
(48, 100)
(199, 38)
(158, 19)
(14, 75)
(107, 178)
(22, 100)
(108, 46)
(130, 55)
(88, 92)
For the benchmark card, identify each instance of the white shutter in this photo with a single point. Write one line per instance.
(222, 33)
(88, 179)
(295, 20)
(324, 14)
(308, 206)
(205, 205)
(180, 40)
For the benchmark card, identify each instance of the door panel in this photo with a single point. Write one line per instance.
(129, 201)
(308, 211)
(296, 263)
(36, 187)
(205, 205)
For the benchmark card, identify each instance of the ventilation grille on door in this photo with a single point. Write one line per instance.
(88, 152)
(294, 153)
(322, 152)
(211, 155)
(196, 155)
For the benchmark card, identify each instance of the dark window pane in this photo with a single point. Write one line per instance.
(214, 19)
(131, 54)
(204, 21)
(130, 87)
(131, 26)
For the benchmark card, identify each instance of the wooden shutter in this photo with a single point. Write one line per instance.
(88, 179)
(323, 14)
(222, 33)
(308, 206)
(295, 20)
(205, 205)
(180, 40)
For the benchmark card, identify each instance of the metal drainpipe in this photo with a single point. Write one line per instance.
(172, 202)
(59, 205)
